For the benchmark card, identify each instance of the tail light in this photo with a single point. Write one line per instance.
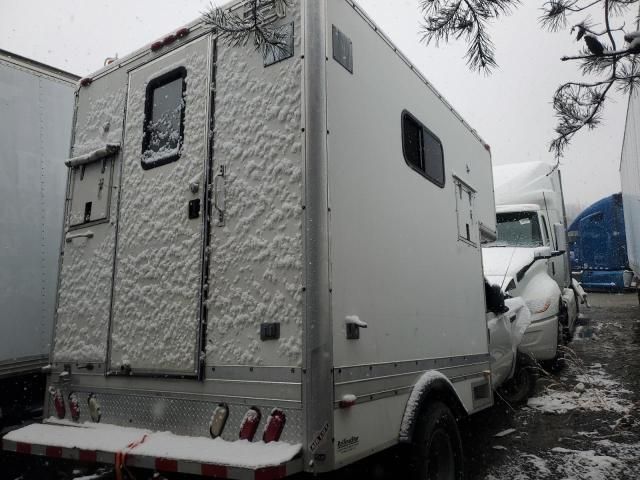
(275, 425)
(250, 423)
(94, 408)
(74, 407)
(218, 420)
(58, 402)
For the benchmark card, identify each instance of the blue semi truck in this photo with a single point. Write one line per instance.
(598, 246)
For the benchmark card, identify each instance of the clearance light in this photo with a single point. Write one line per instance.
(94, 408)
(155, 46)
(250, 424)
(74, 407)
(183, 32)
(58, 402)
(169, 39)
(347, 401)
(86, 81)
(218, 420)
(275, 425)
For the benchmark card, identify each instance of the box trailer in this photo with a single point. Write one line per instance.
(598, 246)
(630, 180)
(36, 109)
(280, 251)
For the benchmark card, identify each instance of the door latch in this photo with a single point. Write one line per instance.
(219, 183)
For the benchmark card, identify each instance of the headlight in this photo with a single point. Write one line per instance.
(539, 305)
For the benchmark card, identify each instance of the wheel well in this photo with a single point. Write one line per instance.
(438, 389)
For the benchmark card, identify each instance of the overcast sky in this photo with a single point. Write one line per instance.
(511, 109)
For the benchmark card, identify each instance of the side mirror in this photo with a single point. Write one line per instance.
(561, 237)
(542, 252)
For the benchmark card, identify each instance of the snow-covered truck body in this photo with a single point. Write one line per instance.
(630, 180)
(295, 251)
(36, 109)
(530, 258)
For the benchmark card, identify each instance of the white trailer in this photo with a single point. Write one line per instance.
(288, 246)
(630, 180)
(36, 107)
(530, 258)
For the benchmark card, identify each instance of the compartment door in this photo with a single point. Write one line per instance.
(156, 314)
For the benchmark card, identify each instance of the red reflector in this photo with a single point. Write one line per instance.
(85, 82)
(155, 46)
(271, 473)
(487, 147)
(250, 423)
(53, 452)
(183, 32)
(275, 425)
(23, 447)
(58, 402)
(169, 39)
(74, 407)
(166, 465)
(87, 456)
(219, 471)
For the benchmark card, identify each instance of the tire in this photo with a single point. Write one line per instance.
(436, 452)
(520, 387)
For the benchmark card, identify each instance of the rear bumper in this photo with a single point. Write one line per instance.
(541, 339)
(160, 451)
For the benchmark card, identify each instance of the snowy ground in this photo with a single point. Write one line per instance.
(583, 423)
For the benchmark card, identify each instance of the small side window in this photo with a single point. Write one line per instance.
(546, 231)
(422, 150)
(163, 119)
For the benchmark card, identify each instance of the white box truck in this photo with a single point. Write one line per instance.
(530, 258)
(270, 265)
(36, 109)
(630, 180)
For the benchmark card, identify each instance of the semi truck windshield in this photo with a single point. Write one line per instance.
(520, 229)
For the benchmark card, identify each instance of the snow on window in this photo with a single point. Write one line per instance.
(164, 119)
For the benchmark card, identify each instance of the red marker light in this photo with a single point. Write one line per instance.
(169, 39)
(85, 82)
(74, 407)
(183, 32)
(249, 424)
(347, 401)
(58, 402)
(274, 427)
(155, 46)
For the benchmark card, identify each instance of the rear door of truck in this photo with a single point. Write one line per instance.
(156, 316)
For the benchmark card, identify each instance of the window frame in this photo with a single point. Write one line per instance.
(155, 83)
(424, 173)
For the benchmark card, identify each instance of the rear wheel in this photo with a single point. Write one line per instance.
(437, 447)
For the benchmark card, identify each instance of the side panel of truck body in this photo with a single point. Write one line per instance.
(630, 179)
(398, 260)
(37, 109)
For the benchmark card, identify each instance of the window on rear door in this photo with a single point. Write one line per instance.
(164, 119)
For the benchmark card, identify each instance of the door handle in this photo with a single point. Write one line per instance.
(219, 194)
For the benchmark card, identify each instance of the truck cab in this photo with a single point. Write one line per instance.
(529, 258)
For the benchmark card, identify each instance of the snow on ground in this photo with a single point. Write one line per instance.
(595, 391)
(608, 460)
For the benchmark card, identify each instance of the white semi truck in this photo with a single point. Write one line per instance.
(272, 263)
(36, 109)
(530, 258)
